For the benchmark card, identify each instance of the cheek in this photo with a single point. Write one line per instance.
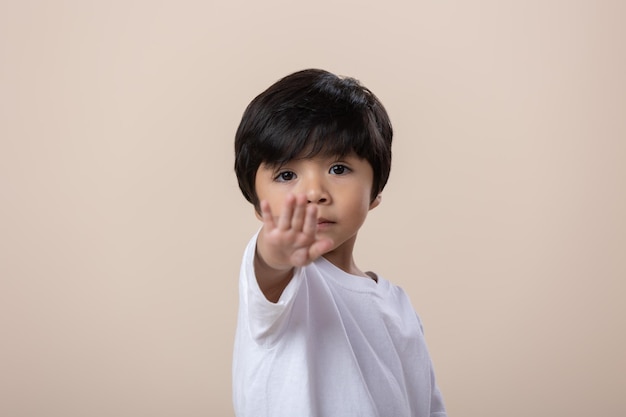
(359, 204)
(276, 201)
(275, 206)
(264, 189)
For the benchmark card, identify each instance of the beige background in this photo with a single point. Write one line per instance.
(121, 225)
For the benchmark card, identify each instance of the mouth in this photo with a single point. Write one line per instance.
(323, 223)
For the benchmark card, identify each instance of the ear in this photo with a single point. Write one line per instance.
(376, 201)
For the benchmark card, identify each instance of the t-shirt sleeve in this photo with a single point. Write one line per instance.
(437, 406)
(266, 320)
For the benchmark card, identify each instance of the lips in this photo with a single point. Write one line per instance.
(323, 223)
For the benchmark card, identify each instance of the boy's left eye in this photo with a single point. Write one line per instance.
(338, 169)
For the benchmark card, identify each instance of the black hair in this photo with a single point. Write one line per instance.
(307, 113)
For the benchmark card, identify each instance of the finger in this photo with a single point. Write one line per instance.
(284, 219)
(320, 247)
(299, 213)
(310, 221)
(266, 215)
(306, 255)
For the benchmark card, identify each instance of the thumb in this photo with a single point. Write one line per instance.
(320, 247)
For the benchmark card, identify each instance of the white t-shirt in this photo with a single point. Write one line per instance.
(334, 344)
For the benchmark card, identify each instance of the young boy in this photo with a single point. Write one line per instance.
(316, 335)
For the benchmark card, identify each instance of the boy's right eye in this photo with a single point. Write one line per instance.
(285, 176)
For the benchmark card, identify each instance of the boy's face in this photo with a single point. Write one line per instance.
(341, 188)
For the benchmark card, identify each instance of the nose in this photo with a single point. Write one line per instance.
(315, 190)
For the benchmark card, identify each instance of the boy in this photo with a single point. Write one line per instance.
(316, 335)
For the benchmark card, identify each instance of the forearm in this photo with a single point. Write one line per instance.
(271, 280)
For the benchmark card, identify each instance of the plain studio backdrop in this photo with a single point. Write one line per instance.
(122, 227)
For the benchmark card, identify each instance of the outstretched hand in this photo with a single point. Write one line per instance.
(290, 239)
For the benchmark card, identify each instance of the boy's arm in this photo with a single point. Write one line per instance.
(285, 242)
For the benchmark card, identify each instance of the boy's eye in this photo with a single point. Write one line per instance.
(339, 169)
(285, 176)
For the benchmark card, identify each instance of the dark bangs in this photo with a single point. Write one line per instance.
(312, 135)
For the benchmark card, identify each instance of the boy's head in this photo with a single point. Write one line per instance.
(308, 113)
